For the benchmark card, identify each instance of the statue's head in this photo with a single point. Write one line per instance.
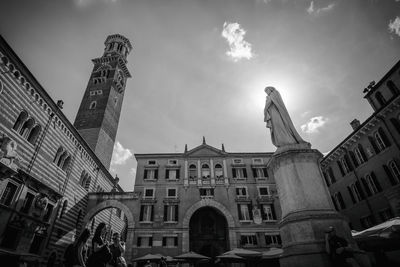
(269, 89)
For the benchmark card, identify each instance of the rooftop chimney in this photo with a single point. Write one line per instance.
(355, 124)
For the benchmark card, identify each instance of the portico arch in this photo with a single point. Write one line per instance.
(207, 203)
(111, 203)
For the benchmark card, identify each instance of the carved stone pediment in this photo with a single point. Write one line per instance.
(204, 151)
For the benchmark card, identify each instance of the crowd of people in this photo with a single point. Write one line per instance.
(101, 254)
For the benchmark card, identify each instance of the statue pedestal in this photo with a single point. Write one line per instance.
(307, 209)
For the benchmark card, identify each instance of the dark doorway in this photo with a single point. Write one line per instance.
(208, 233)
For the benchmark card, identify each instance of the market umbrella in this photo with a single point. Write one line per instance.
(385, 230)
(149, 257)
(245, 253)
(272, 253)
(192, 257)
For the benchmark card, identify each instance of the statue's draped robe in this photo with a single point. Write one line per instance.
(278, 120)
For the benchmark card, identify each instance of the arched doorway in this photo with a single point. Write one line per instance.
(208, 232)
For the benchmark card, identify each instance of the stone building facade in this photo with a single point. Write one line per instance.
(204, 200)
(48, 166)
(363, 171)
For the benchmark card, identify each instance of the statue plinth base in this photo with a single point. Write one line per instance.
(307, 209)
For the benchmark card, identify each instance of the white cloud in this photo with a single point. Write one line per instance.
(120, 154)
(394, 26)
(314, 124)
(238, 47)
(313, 11)
(132, 172)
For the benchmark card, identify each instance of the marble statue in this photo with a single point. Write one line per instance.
(278, 120)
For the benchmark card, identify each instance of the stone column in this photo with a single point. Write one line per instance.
(307, 209)
(129, 255)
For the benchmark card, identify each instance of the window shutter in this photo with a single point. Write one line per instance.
(273, 211)
(178, 172)
(376, 182)
(176, 241)
(244, 172)
(165, 213)
(374, 146)
(346, 158)
(326, 179)
(250, 207)
(176, 213)
(342, 205)
(334, 203)
(254, 172)
(340, 167)
(360, 190)
(234, 172)
(166, 174)
(351, 195)
(141, 213)
(361, 149)
(239, 212)
(150, 241)
(331, 175)
(237, 191)
(164, 241)
(156, 174)
(263, 215)
(353, 158)
(139, 241)
(265, 172)
(152, 213)
(389, 174)
(365, 183)
(384, 137)
(145, 174)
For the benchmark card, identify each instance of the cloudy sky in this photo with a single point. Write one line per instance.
(200, 66)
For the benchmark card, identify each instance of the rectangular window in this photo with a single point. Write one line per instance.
(150, 174)
(146, 213)
(172, 174)
(170, 241)
(260, 172)
(8, 194)
(273, 239)
(149, 193)
(206, 192)
(241, 192)
(170, 213)
(244, 214)
(237, 161)
(248, 240)
(145, 241)
(172, 193)
(27, 202)
(239, 173)
(172, 162)
(258, 161)
(267, 212)
(263, 191)
(151, 162)
(359, 156)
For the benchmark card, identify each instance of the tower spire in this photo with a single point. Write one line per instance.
(204, 140)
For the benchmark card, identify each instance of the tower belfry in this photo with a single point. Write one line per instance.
(98, 115)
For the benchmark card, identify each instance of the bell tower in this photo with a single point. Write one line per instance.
(98, 115)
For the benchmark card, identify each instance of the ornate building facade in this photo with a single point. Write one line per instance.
(363, 171)
(48, 166)
(205, 200)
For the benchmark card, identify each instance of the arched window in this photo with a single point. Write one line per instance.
(381, 139)
(395, 171)
(61, 159)
(93, 105)
(58, 154)
(379, 97)
(23, 116)
(392, 87)
(64, 208)
(66, 163)
(192, 171)
(396, 124)
(87, 182)
(359, 154)
(34, 134)
(205, 171)
(26, 127)
(219, 171)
